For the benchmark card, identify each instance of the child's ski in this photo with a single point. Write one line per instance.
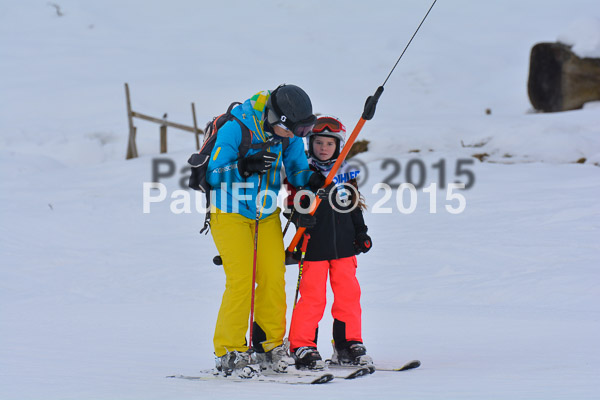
(358, 372)
(409, 365)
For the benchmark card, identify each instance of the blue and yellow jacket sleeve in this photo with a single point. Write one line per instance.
(222, 167)
(296, 164)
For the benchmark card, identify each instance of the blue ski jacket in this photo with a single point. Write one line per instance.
(236, 194)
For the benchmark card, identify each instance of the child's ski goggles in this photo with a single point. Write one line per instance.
(328, 123)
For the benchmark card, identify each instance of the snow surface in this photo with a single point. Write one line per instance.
(101, 301)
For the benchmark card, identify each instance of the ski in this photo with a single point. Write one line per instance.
(290, 378)
(303, 377)
(408, 366)
(357, 372)
(314, 377)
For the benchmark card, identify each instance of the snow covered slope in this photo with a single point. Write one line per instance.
(99, 300)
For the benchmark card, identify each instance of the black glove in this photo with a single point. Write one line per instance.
(260, 162)
(362, 243)
(304, 220)
(316, 182)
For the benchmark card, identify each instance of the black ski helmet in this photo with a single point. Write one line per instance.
(290, 105)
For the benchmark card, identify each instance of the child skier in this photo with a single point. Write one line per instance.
(337, 236)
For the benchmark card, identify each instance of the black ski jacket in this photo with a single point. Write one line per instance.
(334, 234)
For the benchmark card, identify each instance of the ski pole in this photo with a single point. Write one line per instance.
(306, 237)
(288, 222)
(368, 113)
(258, 209)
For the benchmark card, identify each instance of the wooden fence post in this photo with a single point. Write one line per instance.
(131, 145)
(196, 127)
(131, 142)
(163, 136)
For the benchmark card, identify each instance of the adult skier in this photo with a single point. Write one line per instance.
(277, 121)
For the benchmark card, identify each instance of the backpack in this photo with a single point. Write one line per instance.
(199, 161)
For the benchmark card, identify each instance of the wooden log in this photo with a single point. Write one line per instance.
(559, 80)
(164, 122)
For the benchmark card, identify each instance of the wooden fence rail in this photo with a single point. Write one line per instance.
(131, 143)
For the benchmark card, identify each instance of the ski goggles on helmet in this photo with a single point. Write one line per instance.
(303, 128)
(275, 115)
(300, 128)
(328, 123)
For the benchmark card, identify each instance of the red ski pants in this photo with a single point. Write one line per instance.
(311, 306)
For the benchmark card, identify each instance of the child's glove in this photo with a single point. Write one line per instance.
(316, 182)
(362, 243)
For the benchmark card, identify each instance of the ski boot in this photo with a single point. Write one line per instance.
(276, 359)
(351, 354)
(308, 358)
(236, 362)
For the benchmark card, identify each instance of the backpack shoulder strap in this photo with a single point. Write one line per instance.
(246, 137)
(235, 103)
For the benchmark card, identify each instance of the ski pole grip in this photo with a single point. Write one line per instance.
(371, 103)
(305, 242)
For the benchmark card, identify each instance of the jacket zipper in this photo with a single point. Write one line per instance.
(245, 195)
(334, 235)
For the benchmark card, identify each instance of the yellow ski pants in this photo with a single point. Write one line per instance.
(234, 237)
